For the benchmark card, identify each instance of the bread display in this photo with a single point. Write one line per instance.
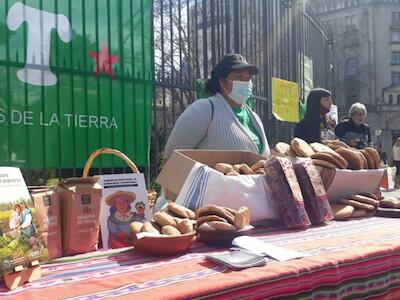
(333, 154)
(241, 169)
(362, 206)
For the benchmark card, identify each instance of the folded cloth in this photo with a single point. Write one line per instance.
(205, 186)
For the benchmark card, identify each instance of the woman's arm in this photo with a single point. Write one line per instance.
(190, 128)
(28, 221)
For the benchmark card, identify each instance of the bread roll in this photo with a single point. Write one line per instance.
(164, 219)
(217, 225)
(136, 227)
(148, 227)
(185, 226)
(181, 211)
(170, 230)
(223, 168)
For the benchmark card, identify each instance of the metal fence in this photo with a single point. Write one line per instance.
(281, 37)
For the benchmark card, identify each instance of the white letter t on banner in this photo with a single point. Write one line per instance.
(40, 24)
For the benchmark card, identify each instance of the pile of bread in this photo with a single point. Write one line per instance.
(364, 205)
(218, 218)
(333, 154)
(241, 169)
(177, 220)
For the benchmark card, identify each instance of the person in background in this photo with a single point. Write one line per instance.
(396, 159)
(316, 125)
(354, 131)
(15, 217)
(223, 121)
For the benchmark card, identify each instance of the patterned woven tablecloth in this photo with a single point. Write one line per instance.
(352, 259)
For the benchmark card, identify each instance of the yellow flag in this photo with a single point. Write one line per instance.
(285, 100)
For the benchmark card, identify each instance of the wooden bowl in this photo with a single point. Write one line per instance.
(165, 245)
(221, 237)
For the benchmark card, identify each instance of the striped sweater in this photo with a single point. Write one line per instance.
(198, 127)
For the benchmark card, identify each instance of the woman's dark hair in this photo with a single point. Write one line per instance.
(312, 118)
(212, 85)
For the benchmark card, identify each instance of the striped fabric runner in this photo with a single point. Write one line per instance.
(352, 259)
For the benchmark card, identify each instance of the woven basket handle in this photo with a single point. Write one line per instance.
(94, 154)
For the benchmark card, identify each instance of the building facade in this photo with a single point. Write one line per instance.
(366, 39)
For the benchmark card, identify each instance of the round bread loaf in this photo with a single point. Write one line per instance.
(342, 211)
(335, 144)
(318, 147)
(362, 157)
(357, 204)
(359, 213)
(375, 155)
(390, 202)
(217, 225)
(323, 163)
(369, 158)
(282, 148)
(329, 158)
(215, 210)
(364, 199)
(370, 195)
(302, 148)
(181, 211)
(209, 218)
(354, 161)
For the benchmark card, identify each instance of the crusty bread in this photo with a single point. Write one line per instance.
(357, 204)
(181, 211)
(170, 230)
(136, 227)
(242, 218)
(342, 211)
(164, 219)
(215, 210)
(217, 225)
(354, 161)
(302, 148)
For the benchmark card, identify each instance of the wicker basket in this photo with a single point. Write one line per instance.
(151, 194)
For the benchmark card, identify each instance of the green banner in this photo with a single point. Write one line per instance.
(75, 76)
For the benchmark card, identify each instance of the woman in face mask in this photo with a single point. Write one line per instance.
(223, 121)
(316, 126)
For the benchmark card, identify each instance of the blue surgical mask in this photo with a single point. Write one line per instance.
(241, 90)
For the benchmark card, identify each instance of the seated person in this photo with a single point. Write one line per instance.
(354, 131)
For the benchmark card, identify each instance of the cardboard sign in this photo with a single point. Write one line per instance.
(21, 242)
(285, 100)
(124, 201)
